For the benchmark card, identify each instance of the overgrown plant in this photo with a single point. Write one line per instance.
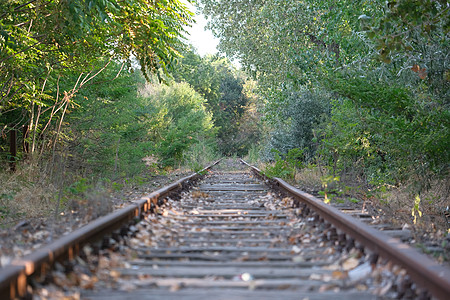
(177, 119)
(328, 185)
(200, 154)
(43, 44)
(285, 166)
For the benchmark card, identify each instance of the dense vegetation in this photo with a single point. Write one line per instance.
(361, 88)
(106, 90)
(52, 49)
(97, 93)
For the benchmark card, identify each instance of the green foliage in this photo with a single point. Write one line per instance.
(285, 167)
(294, 119)
(407, 23)
(289, 43)
(387, 134)
(388, 122)
(416, 209)
(223, 88)
(254, 153)
(5, 206)
(80, 186)
(115, 129)
(181, 120)
(105, 134)
(200, 154)
(43, 44)
(328, 181)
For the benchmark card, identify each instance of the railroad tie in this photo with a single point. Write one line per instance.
(231, 238)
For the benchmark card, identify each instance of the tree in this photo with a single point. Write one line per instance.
(287, 42)
(222, 87)
(414, 35)
(180, 118)
(381, 67)
(42, 42)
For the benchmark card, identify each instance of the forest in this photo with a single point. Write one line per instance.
(344, 98)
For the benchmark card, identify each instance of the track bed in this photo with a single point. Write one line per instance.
(231, 238)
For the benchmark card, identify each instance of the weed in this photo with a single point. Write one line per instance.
(199, 155)
(353, 200)
(80, 186)
(415, 211)
(328, 183)
(285, 167)
(253, 154)
(117, 186)
(138, 180)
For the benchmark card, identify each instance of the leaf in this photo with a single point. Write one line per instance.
(364, 17)
(415, 68)
(350, 263)
(423, 73)
(339, 274)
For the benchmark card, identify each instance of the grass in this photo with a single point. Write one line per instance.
(35, 192)
(27, 193)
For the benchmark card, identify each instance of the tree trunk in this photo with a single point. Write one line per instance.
(26, 144)
(12, 149)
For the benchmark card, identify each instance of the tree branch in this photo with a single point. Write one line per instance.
(18, 8)
(26, 49)
(104, 81)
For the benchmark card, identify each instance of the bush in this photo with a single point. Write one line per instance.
(297, 116)
(105, 135)
(181, 120)
(287, 166)
(200, 154)
(387, 133)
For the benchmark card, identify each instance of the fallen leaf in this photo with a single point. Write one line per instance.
(361, 287)
(350, 263)
(333, 267)
(423, 73)
(339, 275)
(328, 287)
(114, 273)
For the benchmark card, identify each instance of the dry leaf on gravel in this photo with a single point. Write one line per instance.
(329, 287)
(315, 276)
(339, 275)
(350, 263)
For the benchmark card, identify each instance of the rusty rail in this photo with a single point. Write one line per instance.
(13, 277)
(425, 272)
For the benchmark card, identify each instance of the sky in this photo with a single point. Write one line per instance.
(203, 40)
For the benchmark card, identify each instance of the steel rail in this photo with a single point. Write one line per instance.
(14, 277)
(425, 272)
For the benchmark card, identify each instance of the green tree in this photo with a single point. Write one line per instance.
(222, 87)
(179, 114)
(381, 67)
(414, 36)
(42, 43)
(104, 132)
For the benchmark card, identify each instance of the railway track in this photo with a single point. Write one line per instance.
(230, 237)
